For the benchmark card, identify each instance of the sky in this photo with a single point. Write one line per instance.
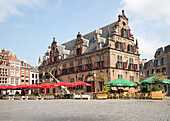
(28, 26)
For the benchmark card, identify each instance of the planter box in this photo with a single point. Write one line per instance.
(157, 95)
(102, 95)
(49, 97)
(18, 98)
(33, 98)
(6, 97)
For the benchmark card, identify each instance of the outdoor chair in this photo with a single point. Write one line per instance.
(125, 95)
(137, 95)
(141, 96)
(112, 95)
(117, 96)
(146, 96)
(130, 96)
(121, 95)
(164, 95)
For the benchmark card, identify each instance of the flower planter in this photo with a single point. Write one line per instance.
(33, 98)
(49, 97)
(18, 98)
(102, 95)
(6, 97)
(157, 95)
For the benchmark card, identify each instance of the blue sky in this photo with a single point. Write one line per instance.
(28, 26)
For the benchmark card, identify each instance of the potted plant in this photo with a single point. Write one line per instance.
(18, 97)
(156, 92)
(33, 97)
(49, 96)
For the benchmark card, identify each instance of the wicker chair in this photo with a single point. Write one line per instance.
(130, 96)
(146, 96)
(117, 96)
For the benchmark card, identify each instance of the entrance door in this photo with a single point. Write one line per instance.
(90, 80)
(90, 88)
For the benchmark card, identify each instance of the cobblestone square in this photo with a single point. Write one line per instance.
(84, 110)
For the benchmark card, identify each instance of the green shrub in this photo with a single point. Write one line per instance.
(155, 88)
(106, 89)
(33, 95)
(18, 95)
(49, 94)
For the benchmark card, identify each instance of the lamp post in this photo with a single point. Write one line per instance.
(95, 89)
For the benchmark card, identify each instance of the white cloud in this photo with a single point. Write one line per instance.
(147, 48)
(11, 7)
(149, 9)
(148, 17)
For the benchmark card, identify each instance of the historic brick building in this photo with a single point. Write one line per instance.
(160, 63)
(4, 69)
(110, 50)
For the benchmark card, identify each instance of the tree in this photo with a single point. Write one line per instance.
(142, 77)
(158, 77)
(101, 77)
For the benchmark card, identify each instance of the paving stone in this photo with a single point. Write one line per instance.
(84, 110)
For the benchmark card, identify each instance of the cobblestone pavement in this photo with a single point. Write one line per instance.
(84, 110)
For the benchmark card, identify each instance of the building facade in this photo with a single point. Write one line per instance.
(34, 76)
(110, 50)
(160, 63)
(25, 72)
(4, 69)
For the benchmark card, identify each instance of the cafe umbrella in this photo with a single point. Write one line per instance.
(120, 83)
(45, 86)
(80, 83)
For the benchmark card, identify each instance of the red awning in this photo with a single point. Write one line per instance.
(63, 84)
(45, 85)
(10, 87)
(21, 86)
(3, 87)
(33, 86)
(80, 83)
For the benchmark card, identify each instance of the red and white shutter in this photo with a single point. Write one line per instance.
(128, 33)
(134, 48)
(84, 67)
(75, 69)
(124, 65)
(123, 46)
(75, 52)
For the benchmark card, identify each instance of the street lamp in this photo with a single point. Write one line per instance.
(94, 73)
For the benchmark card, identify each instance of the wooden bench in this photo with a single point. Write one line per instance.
(85, 97)
(81, 97)
(157, 95)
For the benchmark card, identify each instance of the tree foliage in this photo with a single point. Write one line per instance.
(158, 77)
(101, 77)
(142, 77)
(106, 89)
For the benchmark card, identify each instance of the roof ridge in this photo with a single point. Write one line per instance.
(89, 32)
